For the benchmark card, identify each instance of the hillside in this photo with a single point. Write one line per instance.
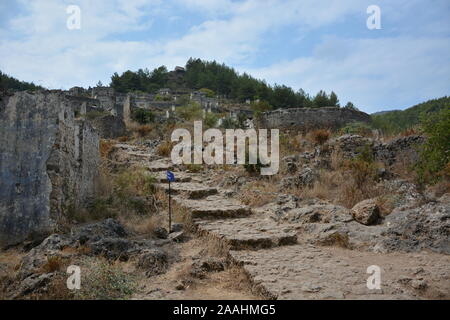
(223, 81)
(397, 121)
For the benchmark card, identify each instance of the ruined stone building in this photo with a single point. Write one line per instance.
(307, 118)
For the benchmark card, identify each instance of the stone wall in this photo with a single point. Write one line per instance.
(109, 127)
(308, 118)
(81, 104)
(48, 163)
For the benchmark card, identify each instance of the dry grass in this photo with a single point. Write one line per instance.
(105, 147)
(134, 181)
(258, 193)
(442, 187)
(104, 183)
(386, 204)
(57, 289)
(10, 261)
(291, 143)
(123, 139)
(140, 131)
(141, 225)
(126, 194)
(236, 279)
(143, 130)
(180, 214)
(164, 149)
(214, 246)
(103, 280)
(54, 263)
(409, 132)
(319, 136)
(194, 168)
(346, 183)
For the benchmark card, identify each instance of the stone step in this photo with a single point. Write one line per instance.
(141, 155)
(160, 165)
(281, 273)
(214, 207)
(303, 271)
(190, 190)
(250, 233)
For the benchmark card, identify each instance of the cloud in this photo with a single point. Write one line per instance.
(405, 63)
(366, 71)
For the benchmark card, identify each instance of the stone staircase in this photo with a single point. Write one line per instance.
(277, 265)
(215, 214)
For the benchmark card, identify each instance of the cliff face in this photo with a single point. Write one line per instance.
(311, 118)
(48, 163)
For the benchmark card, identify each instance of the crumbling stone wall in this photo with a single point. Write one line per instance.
(48, 163)
(311, 118)
(81, 104)
(109, 127)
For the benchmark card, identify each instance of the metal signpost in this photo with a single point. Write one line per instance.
(170, 178)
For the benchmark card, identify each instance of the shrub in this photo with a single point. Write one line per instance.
(209, 93)
(159, 97)
(164, 149)
(190, 112)
(105, 147)
(130, 183)
(320, 136)
(98, 209)
(106, 282)
(229, 123)
(143, 116)
(252, 168)
(54, 263)
(435, 153)
(210, 120)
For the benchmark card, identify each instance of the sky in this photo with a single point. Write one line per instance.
(308, 44)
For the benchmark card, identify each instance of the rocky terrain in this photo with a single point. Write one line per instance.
(340, 204)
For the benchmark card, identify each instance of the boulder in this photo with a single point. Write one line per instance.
(366, 212)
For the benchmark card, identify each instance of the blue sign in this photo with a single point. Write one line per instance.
(170, 176)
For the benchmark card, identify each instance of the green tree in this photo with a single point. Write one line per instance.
(435, 153)
(143, 116)
(333, 100)
(321, 99)
(350, 106)
(7, 82)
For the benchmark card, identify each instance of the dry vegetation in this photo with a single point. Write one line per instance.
(258, 193)
(346, 182)
(106, 147)
(319, 136)
(128, 195)
(164, 149)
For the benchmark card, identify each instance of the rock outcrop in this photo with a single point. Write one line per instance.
(48, 163)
